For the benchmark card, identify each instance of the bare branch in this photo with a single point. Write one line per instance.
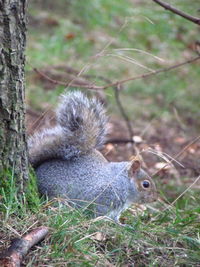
(71, 84)
(112, 84)
(19, 247)
(119, 141)
(178, 12)
(148, 74)
(124, 115)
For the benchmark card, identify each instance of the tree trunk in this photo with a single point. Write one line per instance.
(13, 150)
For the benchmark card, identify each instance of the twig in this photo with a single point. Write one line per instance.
(178, 12)
(148, 74)
(121, 108)
(95, 87)
(19, 247)
(126, 118)
(72, 84)
(119, 141)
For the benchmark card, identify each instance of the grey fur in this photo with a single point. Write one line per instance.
(90, 179)
(68, 164)
(83, 120)
(81, 127)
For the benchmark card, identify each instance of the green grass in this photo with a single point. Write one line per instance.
(164, 236)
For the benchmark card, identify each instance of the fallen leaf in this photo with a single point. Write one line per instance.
(70, 36)
(99, 236)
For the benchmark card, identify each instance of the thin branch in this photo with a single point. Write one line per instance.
(119, 141)
(19, 247)
(178, 12)
(71, 84)
(143, 76)
(124, 115)
(148, 74)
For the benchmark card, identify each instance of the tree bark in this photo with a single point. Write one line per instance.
(13, 149)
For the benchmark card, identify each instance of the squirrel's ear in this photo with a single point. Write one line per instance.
(135, 165)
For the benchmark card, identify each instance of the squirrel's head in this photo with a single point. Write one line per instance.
(143, 183)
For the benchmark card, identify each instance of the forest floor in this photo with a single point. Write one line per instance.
(117, 40)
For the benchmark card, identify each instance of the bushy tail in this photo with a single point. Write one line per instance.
(83, 120)
(81, 127)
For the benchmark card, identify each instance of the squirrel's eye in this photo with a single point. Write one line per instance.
(146, 184)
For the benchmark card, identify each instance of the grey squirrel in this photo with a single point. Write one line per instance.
(68, 164)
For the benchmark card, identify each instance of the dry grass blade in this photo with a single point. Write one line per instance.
(180, 153)
(170, 205)
(196, 180)
(140, 51)
(169, 159)
(131, 60)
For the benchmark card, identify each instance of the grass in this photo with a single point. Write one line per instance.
(162, 236)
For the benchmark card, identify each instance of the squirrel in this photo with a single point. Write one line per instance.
(68, 164)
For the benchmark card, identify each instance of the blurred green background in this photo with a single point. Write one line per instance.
(117, 40)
